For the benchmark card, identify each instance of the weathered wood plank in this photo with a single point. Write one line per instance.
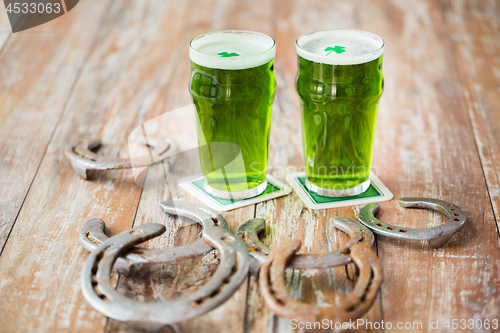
(175, 281)
(37, 70)
(473, 27)
(288, 217)
(416, 157)
(139, 69)
(425, 148)
(124, 79)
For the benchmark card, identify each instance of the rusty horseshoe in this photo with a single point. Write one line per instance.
(275, 293)
(437, 236)
(356, 231)
(92, 235)
(84, 159)
(118, 252)
(100, 293)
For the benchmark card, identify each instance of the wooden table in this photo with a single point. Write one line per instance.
(107, 66)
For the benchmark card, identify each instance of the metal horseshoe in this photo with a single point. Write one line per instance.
(100, 293)
(275, 293)
(84, 159)
(437, 236)
(356, 231)
(92, 235)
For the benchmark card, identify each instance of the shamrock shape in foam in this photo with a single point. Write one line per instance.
(227, 55)
(336, 49)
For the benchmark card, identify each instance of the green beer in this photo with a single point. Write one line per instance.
(339, 83)
(232, 86)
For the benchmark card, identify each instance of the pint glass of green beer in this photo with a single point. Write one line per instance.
(232, 86)
(339, 83)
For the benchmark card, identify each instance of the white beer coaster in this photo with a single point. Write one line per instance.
(274, 189)
(377, 192)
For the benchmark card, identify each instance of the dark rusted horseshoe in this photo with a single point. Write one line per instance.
(437, 236)
(356, 231)
(100, 293)
(275, 293)
(92, 235)
(84, 159)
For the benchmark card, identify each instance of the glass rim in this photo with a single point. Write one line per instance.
(354, 60)
(234, 60)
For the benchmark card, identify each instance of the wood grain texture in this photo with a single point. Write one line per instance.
(116, 88)
(474, 31)
(174, 281)
(437, 136)
(425, 148)
(37, 69)
(288, 217)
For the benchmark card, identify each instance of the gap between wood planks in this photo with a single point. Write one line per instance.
(61, 114)
(255, 208)
(466, 85)
(109, 321)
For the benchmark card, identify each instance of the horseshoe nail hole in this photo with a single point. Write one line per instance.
(372, 221)
(215, 292)
(233, 270)
(457, 220)
(279, 301)
(349, 309)
(402, 230)
(135, 232)
(456, 214)
(380, 224)
(201, 300)
(390, 228)
(227, 239)
(216, 221)
(453, 209)
(450, 205)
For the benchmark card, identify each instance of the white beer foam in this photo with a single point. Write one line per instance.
(359, 47)
(253, 49)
